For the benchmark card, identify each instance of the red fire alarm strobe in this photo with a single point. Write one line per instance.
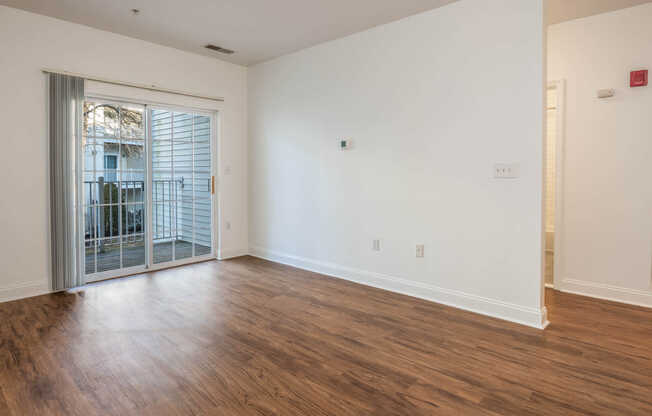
(638, 78)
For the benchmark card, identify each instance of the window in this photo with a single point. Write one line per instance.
(110, 166)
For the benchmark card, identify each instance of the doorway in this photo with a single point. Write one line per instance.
(553, 180)
(147, 187)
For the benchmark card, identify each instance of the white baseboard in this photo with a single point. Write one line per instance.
(23, 290)
(231, 253)
(495, 308)
(607, 292)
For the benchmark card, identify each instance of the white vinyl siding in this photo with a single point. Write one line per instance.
(181, 177)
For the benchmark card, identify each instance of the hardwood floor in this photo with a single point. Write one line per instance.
(250, 337)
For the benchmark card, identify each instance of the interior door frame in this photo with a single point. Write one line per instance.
(560, 86)
(149, 265)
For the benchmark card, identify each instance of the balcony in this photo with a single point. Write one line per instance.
(115, 218)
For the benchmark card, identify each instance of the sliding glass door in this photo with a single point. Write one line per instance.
(113, 197)
(147, 188)
(181, 185)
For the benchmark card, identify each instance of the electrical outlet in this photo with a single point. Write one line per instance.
(421, 250)
(227, 225)
(506, 170)
(375, 245)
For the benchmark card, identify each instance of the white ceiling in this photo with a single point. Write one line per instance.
(562, 10)
(257, 30)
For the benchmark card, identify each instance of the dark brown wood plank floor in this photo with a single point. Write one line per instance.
(250, 337)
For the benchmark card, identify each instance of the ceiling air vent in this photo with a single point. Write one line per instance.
(219, 49)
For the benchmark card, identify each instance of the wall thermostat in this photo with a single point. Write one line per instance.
(346, 144)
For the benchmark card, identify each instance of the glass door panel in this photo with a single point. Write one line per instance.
(113, 187)
(181, 185)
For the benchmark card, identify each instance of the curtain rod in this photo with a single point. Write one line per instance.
(132, 84)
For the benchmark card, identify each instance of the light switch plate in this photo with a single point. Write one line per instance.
(506, 170)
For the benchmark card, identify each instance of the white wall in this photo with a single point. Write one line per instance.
(431, 102)
(29, 42)
(606, 237)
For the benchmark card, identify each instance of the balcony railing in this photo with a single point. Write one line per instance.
(115, 202)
